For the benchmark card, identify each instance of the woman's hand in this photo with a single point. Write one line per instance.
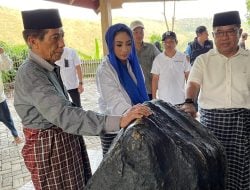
(136, 112)
(190, 109)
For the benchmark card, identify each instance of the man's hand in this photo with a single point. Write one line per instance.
(80, 88)
(136, 112)
(190, 109)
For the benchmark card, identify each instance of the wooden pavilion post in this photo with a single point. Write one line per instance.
(106, 21)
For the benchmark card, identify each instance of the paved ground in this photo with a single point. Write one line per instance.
(13, 173)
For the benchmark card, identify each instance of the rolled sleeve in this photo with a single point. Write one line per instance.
(112, 124)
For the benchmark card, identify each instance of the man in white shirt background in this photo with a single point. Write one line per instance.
(170, 71)
(71, 74)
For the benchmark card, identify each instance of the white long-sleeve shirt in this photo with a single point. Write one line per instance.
(113, 99)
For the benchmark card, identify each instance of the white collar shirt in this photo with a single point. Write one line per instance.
(224, 82)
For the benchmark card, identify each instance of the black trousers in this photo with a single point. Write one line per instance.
(150, 96)
(75, 97)
(6, 118)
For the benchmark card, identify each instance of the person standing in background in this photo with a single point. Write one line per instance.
(170, 71)
(5, 116)
(222, 76)
(158, 46)
(146, 53)
(71, 74)
(119, 77)
(200, 45)
(243, 39)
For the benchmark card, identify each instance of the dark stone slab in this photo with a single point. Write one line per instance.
(166, 151)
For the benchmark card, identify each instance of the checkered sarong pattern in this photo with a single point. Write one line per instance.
(55, 159)
(232, 128)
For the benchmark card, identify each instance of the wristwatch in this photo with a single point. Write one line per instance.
(80, 83)
(189, 101)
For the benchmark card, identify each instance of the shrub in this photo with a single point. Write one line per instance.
(17, 54)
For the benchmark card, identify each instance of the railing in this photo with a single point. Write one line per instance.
(89, 67)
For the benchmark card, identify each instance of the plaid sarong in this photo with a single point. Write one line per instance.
(55, 159)
(106, 141)
(232, 128)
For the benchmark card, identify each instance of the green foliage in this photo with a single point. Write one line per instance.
(248, 11)
(85, 35)
(8, 76)
(155, 38)
(17, 54)
(82, 34)
(97, 54)
(97, 49)
(84, 56)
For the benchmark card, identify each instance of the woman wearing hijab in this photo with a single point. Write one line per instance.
(119, 78)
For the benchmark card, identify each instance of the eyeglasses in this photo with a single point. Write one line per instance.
(232, 32)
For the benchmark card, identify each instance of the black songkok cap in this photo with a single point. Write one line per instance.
(226, 18)
(41, 19)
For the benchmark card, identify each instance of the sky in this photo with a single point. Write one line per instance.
(183, 9)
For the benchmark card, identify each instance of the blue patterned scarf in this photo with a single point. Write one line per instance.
(137, 92)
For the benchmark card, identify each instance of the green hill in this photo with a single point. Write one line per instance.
(81, 34)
